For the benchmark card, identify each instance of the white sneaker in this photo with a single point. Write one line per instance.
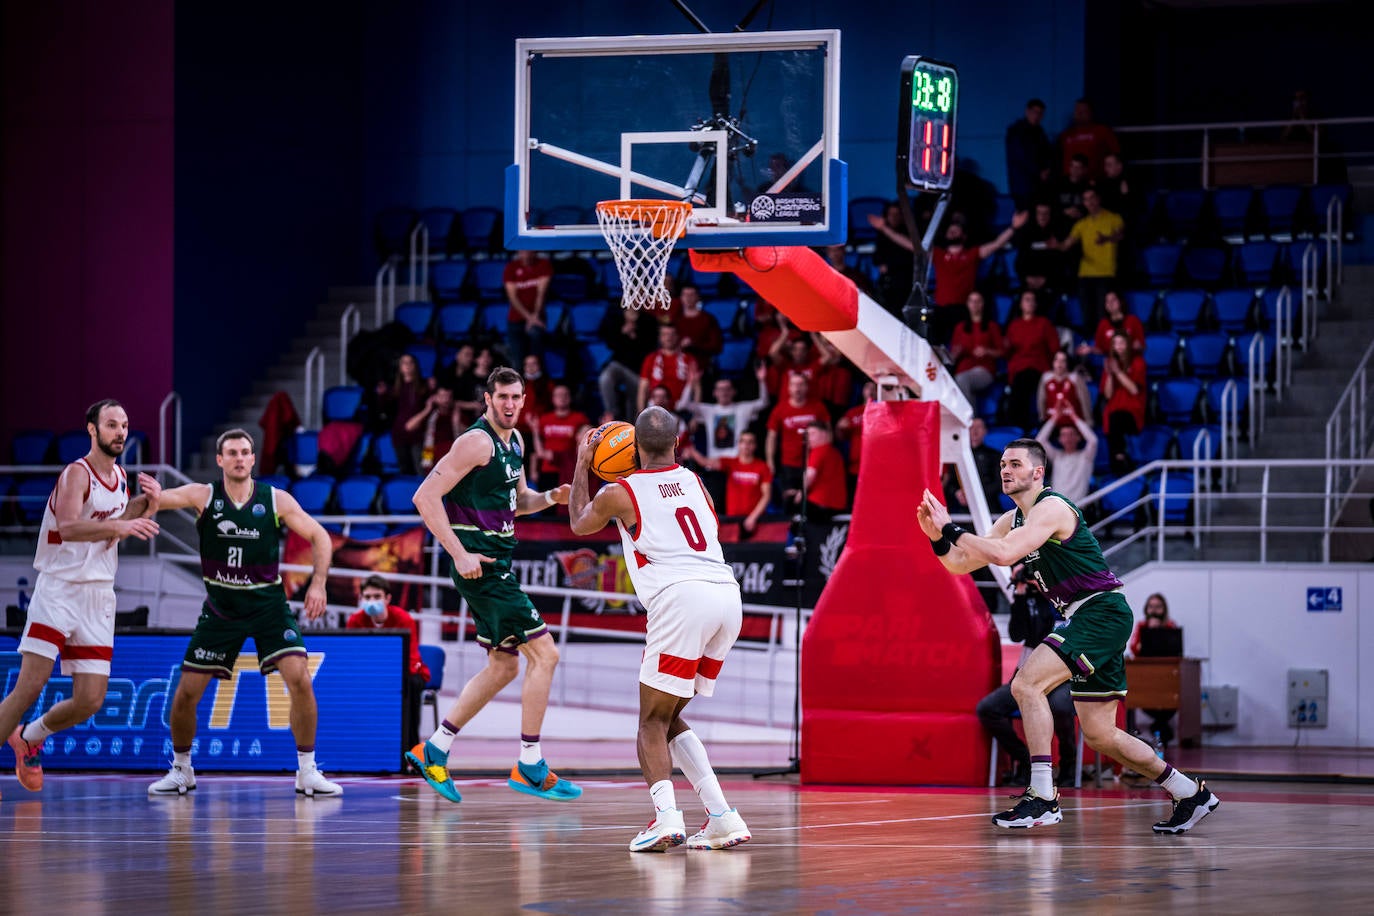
(178, 781)
(311, 782)
(665, 831)
(721, 831)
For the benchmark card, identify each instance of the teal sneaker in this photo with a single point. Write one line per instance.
(433, 766)
(542, 782)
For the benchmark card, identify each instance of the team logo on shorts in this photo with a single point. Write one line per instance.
(259, 509)
(288, 635)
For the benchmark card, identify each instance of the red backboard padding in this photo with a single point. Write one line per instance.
(898, 651)
(800, 282)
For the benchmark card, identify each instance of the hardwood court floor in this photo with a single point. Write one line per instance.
(98, 844)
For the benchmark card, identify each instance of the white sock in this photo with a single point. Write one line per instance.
(1180, 785)
(690, 756)
(662, 794)
(530, 754)
(443, 738)
(1042, 778)
(305, 760)
(181, 759)
(36, 732)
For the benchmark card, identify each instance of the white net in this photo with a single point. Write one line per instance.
(641, 235)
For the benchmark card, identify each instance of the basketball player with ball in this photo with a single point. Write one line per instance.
(672, 547)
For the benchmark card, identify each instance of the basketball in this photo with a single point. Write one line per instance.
(615, 453)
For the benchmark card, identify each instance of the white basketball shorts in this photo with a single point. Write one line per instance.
(73, 619)
(691, 626)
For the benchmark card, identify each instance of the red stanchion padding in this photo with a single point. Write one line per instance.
(898, 651)
(797, 281)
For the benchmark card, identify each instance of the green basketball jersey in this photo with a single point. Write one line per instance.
(481, 507)
(240, 550)
(1069, 570)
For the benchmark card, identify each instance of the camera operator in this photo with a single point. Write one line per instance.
(1032, 619)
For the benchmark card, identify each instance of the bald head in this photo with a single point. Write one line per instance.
(656, 435)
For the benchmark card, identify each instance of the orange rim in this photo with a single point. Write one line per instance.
(661, 217)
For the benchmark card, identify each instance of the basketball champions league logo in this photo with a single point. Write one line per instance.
(789, 207)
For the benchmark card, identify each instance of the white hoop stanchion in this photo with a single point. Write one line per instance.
(641, 235)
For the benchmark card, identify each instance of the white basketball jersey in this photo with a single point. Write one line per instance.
(83, 561)
(676, 536)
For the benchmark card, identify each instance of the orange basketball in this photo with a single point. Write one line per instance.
(615, 453)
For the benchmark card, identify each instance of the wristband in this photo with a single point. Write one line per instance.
(952, 532)
(548, 498)
(941, 546)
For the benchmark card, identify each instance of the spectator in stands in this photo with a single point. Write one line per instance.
(1071, 459)
(1032, 342)
(468, 387)
(1030, 157)
(1039, 263)
(1156, 616)
(726, 419)
(1299, 127)
(1115, 320)
(1061, 393)
(1116, 191)
(538, 386)
(1123, 399)
(837, 257)
(892, 256)
(408, 395)
(437, 424)
(1066, 192)
(748, 482)
(770, 324)
(631, 334)
(698, 329)
(375, 611)
(988, 461)
(825, 481)
(1087, 138)
(791, 354)
(787, 425)
(526, 280)
(1032, 619)
(1098, 234)
(460, 367)
(557, 433)
(976, 347)
(850, 428)
(670, 367)
(833, 383)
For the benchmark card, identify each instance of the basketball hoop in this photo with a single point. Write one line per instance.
(641, 235)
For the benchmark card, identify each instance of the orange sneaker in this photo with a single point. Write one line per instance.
(28, 761)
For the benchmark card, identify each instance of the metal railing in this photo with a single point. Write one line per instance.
(314, 388)
(171, 402)
(349, 323)
(1351, 423)
(1335, 251)
(419, 260)
(384, 296)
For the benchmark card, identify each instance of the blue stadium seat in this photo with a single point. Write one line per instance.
(31, 446)
(416, 316)
(1159, 263)
(734, 357)
(355, 495)
(1191, 437)
(367, 531)
(396, 495)
(440, 221)
(280, 481)
(341, 402)
(1142, 304)
(1232, 308)
(496, 318)
(1279, 208)
(998, 436)
(1124, 499)
(72, 445)
(1263, 353)
(1160, 349)
(488, 280)
(1269, 308)
(1184, 210)
(391, 231)
(610, 279)
(1231, 210)
(1319, 199)
(725, 311)
(304, 450)
(1205, 266)
(555, 365)
(1217, 393)
(1205, 353)
(553, 316)
(1150, 444)
(1002, 304)
(707, 282)
(1183, 309)
(456, 321)
(990, 402)
(1256, 262)
(313, 492)
(585, 319)
(31, 497)
(1178, 496)
(597, 354)
(1178, 399)
(446, 281)
(424, 358)
(385, 452)
(479, 226)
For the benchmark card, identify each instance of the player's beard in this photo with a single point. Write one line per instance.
(112, 448)
(498, 420)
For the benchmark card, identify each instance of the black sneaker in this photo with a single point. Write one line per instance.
(1188, 811)
(1031, 811)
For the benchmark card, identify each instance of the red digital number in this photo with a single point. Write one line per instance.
(691, 528)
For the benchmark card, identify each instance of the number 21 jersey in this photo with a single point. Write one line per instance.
(676, 536)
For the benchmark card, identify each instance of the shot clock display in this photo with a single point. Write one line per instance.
(925, 135)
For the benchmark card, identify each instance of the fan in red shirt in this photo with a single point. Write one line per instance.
(956, 273)
(1032, 342)
(827, 488)
(1087, 138)
(670, 367)
(851, 426)
(526, 281)
(697, 328)
(748, 482)
(556, 435)
(786, 428)
(377, 612)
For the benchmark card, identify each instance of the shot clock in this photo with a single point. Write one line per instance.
(925, 125)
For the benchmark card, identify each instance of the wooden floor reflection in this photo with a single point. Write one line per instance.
(98, 844)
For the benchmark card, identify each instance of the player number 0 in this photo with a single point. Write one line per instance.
(691, 528)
